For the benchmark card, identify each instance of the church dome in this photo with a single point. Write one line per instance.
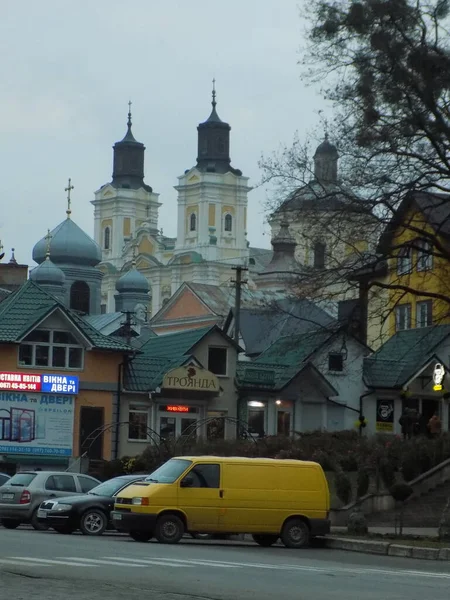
(69, 245)
(326, 147)
(132, 281)
(47, 273)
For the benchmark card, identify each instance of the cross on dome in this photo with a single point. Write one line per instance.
(68, 189)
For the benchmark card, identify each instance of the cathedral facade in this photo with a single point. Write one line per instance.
(211, 220)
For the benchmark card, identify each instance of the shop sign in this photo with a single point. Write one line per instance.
(36, 424)
(178, 408)
(385, 416)
(259, 376)
(191, 378)
(438, 377)
(32, 382)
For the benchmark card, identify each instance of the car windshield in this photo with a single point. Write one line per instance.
(169, 471)
(111, 487)
(21, 479)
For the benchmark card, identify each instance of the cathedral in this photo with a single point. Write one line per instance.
(211, 220)
(130, 266)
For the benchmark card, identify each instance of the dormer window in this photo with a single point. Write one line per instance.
(404, 262)
(228, 222)
(424, 256)
(193, 222)
(56, 349)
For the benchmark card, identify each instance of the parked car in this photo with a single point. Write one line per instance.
(4, 478)
(21, 495)
(88, 512)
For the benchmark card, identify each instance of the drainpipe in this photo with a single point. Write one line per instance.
(361, 415)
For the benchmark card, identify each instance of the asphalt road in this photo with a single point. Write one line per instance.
(50, 566)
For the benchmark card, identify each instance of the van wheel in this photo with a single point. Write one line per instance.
(141, 536)
(295, 534)
(265, 540)
(169, 529)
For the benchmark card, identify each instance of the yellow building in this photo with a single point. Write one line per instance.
(408, 286)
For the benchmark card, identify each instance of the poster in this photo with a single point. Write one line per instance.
(385, 416)
(36, 424)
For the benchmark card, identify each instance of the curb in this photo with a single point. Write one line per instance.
(387, 548)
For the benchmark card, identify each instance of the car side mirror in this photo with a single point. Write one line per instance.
(187, 482)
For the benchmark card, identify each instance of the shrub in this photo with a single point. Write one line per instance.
(362, 482)
(343, 487)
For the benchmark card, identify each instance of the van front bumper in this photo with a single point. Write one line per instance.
(129, 521)
(319, 527)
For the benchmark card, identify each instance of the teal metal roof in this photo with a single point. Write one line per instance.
(30, 304)
(396, 362)
(158, 355)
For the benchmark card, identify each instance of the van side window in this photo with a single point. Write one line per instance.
(205, 476)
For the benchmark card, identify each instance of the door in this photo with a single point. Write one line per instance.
(91, 435)
(199, 497)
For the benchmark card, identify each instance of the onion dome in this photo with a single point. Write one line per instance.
(47, 273)
(132, 281)
(69, 245)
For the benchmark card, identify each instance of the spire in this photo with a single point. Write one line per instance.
(68, 189)
(128, 168)
(48, 239)
(12, 260)
(213, 153)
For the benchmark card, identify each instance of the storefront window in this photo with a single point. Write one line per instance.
(167, 427)
(138, 423)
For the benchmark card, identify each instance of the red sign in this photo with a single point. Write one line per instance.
(26, 382)
(177, 408)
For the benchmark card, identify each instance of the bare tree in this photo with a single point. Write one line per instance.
(387, 67)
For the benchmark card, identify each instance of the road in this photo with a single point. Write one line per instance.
(50, 566)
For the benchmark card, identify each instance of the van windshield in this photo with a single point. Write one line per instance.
(169, 471)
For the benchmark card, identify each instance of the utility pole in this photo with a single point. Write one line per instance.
(238, 282)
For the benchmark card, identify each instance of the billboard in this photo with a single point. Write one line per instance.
(36, 424)
(32, 382)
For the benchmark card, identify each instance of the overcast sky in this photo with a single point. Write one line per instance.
(68, 70)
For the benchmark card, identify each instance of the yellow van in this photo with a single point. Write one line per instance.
(268, 498)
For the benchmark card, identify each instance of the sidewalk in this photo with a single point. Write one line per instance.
(418, 531)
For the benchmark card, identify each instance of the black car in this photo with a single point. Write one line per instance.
(88, 512)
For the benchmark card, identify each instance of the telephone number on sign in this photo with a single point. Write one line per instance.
(6, 385)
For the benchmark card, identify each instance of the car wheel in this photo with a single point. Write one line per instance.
(265, 540)
(64, 529)
(93, 522)
(169, 529)
(38, 525)
(202, 536)
(10, 523)
(295, 534)
(141, 536)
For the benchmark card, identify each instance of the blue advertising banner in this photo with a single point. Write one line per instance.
(40, 424)
(61, 384)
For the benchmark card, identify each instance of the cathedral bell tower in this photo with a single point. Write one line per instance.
(212, 197)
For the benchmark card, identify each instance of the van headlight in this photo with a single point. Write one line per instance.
(140, 501)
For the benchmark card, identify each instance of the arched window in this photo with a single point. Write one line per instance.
(319, 255)
(193, 222)
(228, 226)
(107, 239)
(80, 296)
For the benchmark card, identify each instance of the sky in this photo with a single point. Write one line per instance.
(68, 70)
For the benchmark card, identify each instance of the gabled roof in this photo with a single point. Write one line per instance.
(162, 353)
(23, 309)
(434, 206)
(262, 327)
(402, 356)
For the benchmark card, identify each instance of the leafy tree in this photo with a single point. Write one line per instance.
(385, 65)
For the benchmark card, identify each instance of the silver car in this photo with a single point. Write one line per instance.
(21, 495)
